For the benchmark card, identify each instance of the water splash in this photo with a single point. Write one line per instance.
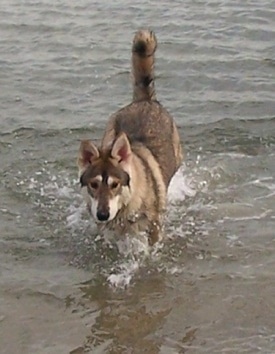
(181, 186)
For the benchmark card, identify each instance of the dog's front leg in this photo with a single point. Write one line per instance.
(154, 234)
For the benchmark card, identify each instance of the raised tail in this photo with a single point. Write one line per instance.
(143, 58)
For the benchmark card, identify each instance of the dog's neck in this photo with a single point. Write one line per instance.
(138, 188)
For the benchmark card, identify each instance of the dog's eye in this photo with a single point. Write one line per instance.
(114, 185)
(94, 185)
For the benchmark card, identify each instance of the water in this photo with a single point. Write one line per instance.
(209, 287)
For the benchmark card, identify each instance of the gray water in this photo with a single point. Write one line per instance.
(209, 287)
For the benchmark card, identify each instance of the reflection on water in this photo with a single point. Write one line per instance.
(131, 321)
(126, 325)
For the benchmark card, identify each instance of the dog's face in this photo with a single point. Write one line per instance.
(105, 177)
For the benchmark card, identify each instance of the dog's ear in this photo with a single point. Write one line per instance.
(121, 149)
(87, 153)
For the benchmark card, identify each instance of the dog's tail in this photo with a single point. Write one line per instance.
(143, 58)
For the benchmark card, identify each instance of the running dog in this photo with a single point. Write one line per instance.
(125, 180)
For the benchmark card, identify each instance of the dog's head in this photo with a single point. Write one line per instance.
(105, 177)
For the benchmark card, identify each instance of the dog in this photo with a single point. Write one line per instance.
(125, 180)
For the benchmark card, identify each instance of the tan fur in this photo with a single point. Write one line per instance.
(140, 152)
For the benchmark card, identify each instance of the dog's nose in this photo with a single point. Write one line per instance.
(103, 215)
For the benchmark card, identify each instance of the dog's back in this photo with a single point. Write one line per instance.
(145, 121)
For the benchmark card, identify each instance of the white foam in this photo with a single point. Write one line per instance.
(133, 251)
(250, 217)
(74, 219)
(65, 192)
(180, 187)
(174, 270)
(125, 274)
(133, 245)
(51, 189)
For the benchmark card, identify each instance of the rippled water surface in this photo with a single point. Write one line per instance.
(209, 287)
